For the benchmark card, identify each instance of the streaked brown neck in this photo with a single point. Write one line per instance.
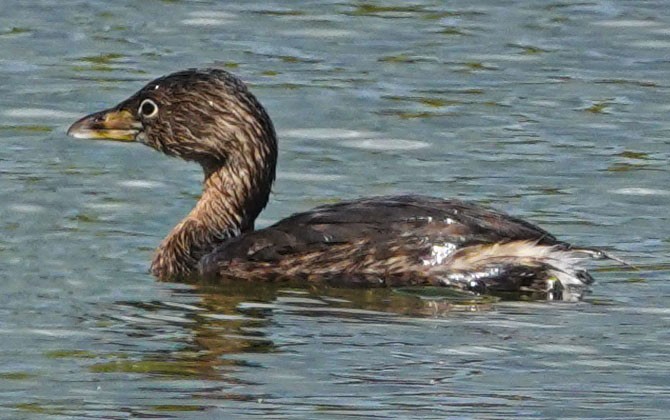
(234, 193)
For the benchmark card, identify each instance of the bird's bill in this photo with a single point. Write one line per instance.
(111, 124)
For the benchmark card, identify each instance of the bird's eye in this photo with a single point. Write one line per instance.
(148, 108)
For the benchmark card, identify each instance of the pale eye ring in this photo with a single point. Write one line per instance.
(148, 108)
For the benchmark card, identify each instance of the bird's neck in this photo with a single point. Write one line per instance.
(239, 164)
(233, 196)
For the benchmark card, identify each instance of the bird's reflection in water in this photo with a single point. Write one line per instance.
(197, 346)
(198, 331)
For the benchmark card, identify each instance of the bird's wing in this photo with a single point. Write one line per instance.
(380, 219)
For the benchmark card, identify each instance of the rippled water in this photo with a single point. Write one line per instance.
(554, 111)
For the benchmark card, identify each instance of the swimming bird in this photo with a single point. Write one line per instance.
(209, 116)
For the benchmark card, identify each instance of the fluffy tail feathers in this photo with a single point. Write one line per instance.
(521, 266)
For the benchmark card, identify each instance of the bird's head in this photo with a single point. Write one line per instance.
(203, 115)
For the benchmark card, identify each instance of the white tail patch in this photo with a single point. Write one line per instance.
(564, 265)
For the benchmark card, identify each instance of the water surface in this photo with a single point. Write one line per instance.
(553, 111)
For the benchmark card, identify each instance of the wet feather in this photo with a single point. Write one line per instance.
(209, 116)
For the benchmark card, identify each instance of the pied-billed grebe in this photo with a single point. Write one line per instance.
(209, 116)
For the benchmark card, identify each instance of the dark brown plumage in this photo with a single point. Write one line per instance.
(210, 117)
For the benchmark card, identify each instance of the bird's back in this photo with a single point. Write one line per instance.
(398, 240)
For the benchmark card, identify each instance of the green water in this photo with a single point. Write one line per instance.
(553, 111)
